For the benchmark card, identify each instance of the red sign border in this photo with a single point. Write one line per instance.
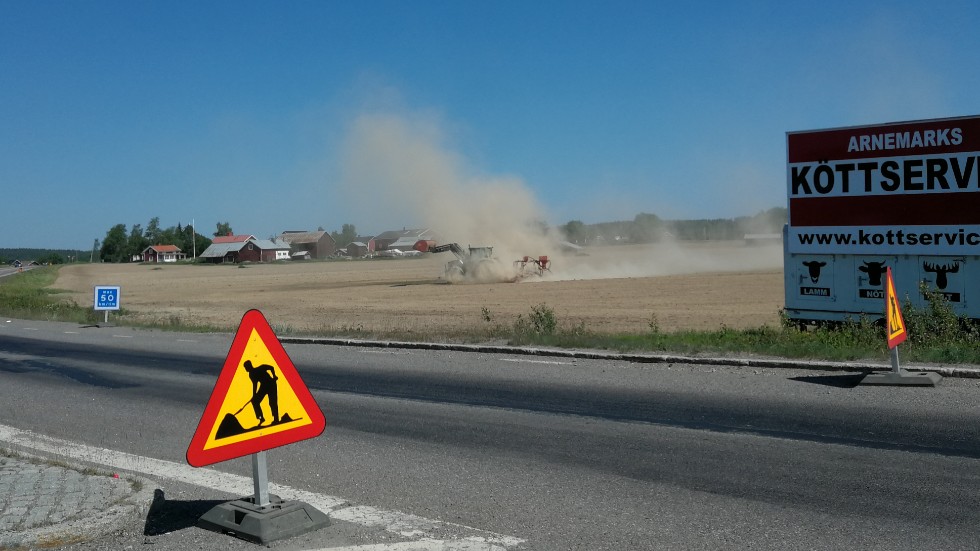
(196, 455)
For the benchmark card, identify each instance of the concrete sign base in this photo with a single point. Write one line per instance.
(244, 519)
(902, 378)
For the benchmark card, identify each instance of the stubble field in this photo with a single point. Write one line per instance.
(613, 289)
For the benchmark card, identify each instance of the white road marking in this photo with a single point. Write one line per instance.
(469, 544)
(186, 340)
(30, 329)
(71, 332)
(122, 336)
(403, 524)
(526, 361)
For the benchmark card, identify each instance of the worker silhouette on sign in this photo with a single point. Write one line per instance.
(263, 384)
(896, 321)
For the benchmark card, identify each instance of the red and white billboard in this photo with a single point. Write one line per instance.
(900, 188)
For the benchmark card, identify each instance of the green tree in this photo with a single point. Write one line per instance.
(152, 232)
(187, 240)
(137, 242)
(224, 228)
(168, 237)
(647, 228)
(347, 234)
(575, 231)
(51, 258)
(114, 244)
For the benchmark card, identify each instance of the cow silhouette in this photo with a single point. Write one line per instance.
(814, 267)
(874, 270)
(941, 271)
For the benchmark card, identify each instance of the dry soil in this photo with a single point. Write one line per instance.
(607, 289)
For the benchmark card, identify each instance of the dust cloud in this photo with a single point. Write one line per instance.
(398, 170)
(666, 258)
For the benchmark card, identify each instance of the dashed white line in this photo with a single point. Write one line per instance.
(122, 336)
(526, 361)
(469, 544)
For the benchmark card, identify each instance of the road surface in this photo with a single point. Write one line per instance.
(526, 452)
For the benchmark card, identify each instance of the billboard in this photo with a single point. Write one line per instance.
(908, 188)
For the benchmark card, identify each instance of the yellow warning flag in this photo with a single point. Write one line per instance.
(893, 314)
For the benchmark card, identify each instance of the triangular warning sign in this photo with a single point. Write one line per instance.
(259, 401)
(893, 314)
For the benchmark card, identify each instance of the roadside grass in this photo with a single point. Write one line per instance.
(29, 295)
(935, 333)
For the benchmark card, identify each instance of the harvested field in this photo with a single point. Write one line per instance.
(608, 289)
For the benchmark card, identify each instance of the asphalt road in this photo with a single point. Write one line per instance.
(560, 453)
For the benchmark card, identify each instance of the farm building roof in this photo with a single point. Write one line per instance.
(232, 238)
(404, 242)
(302, 237)
(163, 248)
(398, 234)
(271, 244)
(219, 250)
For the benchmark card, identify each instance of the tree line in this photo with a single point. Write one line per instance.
(43, 256)
(650, 228)
(123, 245)
(120, 245)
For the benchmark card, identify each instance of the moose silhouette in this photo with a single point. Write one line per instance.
(941, 271)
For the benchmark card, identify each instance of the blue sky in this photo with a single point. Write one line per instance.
(253, 113)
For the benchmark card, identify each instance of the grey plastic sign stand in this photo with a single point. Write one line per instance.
(263, 517)
(900, 377)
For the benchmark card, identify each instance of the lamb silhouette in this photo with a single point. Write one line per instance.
(814, 267)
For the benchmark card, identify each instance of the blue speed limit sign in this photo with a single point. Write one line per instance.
(106, 297)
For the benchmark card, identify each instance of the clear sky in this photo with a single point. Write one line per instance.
(276, 116)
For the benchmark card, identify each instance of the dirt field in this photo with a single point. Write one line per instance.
(609, 289)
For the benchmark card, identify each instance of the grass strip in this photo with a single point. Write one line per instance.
(936, 333)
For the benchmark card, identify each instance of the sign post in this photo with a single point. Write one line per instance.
(106, 298)
(896, 334)
(259, 402)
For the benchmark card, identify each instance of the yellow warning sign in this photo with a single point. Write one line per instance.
(259, 401)
(893, 314)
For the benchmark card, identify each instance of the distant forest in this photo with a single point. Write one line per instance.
(46, 256)
(119, 245)
(650, 228)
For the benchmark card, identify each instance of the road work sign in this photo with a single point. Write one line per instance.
(893, 314)
(259, 401)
